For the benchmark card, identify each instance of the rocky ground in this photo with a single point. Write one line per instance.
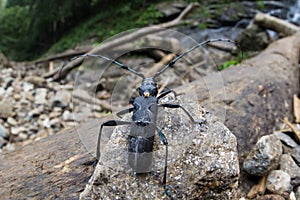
(258, 96)
(31, 107)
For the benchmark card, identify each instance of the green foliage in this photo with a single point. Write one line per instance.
(14, 22)
(30, 27)
(229, 63)
(260, 4)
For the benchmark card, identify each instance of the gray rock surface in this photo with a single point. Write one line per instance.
(202, 162)
(288, 165)
(297, 192)
(279, 182)
(264, 156)
(285, 139)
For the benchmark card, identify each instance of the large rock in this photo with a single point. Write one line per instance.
(202, 162)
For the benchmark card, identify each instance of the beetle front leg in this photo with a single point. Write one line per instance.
(108, 123)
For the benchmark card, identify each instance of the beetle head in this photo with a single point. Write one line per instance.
(148, 88)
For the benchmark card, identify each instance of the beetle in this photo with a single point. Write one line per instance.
(144, 115)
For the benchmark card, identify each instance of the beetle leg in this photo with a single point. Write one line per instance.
(169, 105)
(123, 112)
(108, 123)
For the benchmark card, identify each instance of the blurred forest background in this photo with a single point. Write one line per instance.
(31, 28)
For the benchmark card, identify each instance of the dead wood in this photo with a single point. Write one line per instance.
(294, 130)
(296, 109)
(122, 40)
(64, 55)
(280, 26)
(258, 189)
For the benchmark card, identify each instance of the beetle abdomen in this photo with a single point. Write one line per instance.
(140, 153)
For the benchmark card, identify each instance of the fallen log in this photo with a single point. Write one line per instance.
(280, 26)
(258, 95)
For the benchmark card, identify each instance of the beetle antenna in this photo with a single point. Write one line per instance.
(108, 59)
(191, 49)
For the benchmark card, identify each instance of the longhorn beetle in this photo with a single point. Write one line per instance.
(144, 109)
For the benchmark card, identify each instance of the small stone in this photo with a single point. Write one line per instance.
(29, 96)
(61, 99)
(292, 196)
(264, 157)
(288, 165)
(296, 154)
(55, 122)
(2, 142)
(54, 115)
(12, 121)
(27, 86)
(297, 192)
(22, 136)
(3, 132)
(34, 113)
(2, 92)
(46, 122)
(10, 147)
(67, 116)
(6, 108)
(270, 197)
(287, 140)
(57, 109)
(17, 130)
(17, 97)
(40, 96)
(279, 182)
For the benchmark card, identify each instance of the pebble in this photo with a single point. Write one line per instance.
(17, 97)
(264, 156)
(3, 132)
(270, 197)
(62, 99)
(17, 130)
(27, 86)
(40, 96)
(6, 108)
(279, 182)
(287, 140)
(29, 96)
(288, 165)
(297, 192)
(2, 142)
(11, 121)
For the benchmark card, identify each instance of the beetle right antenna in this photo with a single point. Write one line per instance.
(191, 49)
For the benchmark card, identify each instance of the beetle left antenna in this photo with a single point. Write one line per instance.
(109, 59)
